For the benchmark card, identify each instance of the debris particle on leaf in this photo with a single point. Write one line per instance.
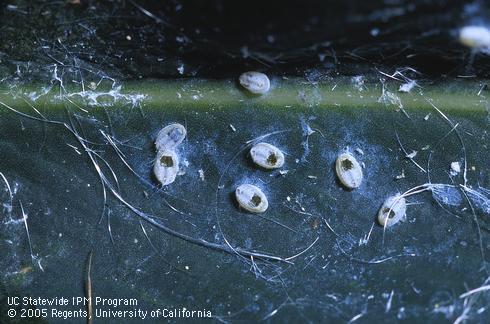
(455, 168)
(283, 172)
(267, 156)
(411, 155)
(348, 170)
(255, 82)
(201, 174)
(401, 175)
(307, 130)
(358, 82)
(180, 68)
(407, 87)
(251, 198)
(359, 151)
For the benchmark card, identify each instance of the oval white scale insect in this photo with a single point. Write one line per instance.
(166, 166)
(477, 37)
(255, 82)
(170, 137)
(251, 198)
(392, 211)
(267, 156)
(348, 170)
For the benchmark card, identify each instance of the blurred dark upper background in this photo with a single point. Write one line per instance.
(218, 38)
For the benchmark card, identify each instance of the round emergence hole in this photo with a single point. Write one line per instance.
(167, 161)
(346, 164)
(256, 200)
(272, 159)
(390, 212)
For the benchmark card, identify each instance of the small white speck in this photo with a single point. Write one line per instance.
(455, 168)
(401, 175)
(181, 69)
(374, 32)
(411, 155)
(407, 87)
